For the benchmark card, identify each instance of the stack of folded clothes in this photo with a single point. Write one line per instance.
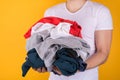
(54, 41)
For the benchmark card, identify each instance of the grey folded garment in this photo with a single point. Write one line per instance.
(36, 39)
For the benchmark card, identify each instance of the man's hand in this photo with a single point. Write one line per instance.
(56, 69)
(40, 70)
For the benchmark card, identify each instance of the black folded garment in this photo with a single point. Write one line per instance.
(68, 62)
(33, 60)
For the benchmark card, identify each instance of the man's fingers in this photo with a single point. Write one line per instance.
(57, 70)
(44, 69)
(39, 69)
(34, 69)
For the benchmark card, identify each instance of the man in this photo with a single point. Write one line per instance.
(95, 20)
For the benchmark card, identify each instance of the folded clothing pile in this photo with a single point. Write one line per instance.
(53, 35)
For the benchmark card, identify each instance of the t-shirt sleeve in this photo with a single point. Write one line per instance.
(104, 19)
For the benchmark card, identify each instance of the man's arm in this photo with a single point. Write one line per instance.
(103, 40)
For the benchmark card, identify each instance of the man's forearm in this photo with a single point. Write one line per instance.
(96, 59)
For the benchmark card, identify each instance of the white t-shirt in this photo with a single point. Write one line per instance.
(91, 17)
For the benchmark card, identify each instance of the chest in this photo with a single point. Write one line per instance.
(88, 22)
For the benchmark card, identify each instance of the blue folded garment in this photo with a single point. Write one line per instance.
(33, 60)
(68, 62)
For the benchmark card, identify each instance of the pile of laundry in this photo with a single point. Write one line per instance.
(54, 41)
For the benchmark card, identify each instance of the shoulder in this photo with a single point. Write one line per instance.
(103, 16)
(98, 9)
(51, 10)
(98, 6)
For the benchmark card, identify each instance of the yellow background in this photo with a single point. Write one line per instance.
(16, 16)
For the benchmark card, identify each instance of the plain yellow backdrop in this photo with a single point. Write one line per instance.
(16, 16)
